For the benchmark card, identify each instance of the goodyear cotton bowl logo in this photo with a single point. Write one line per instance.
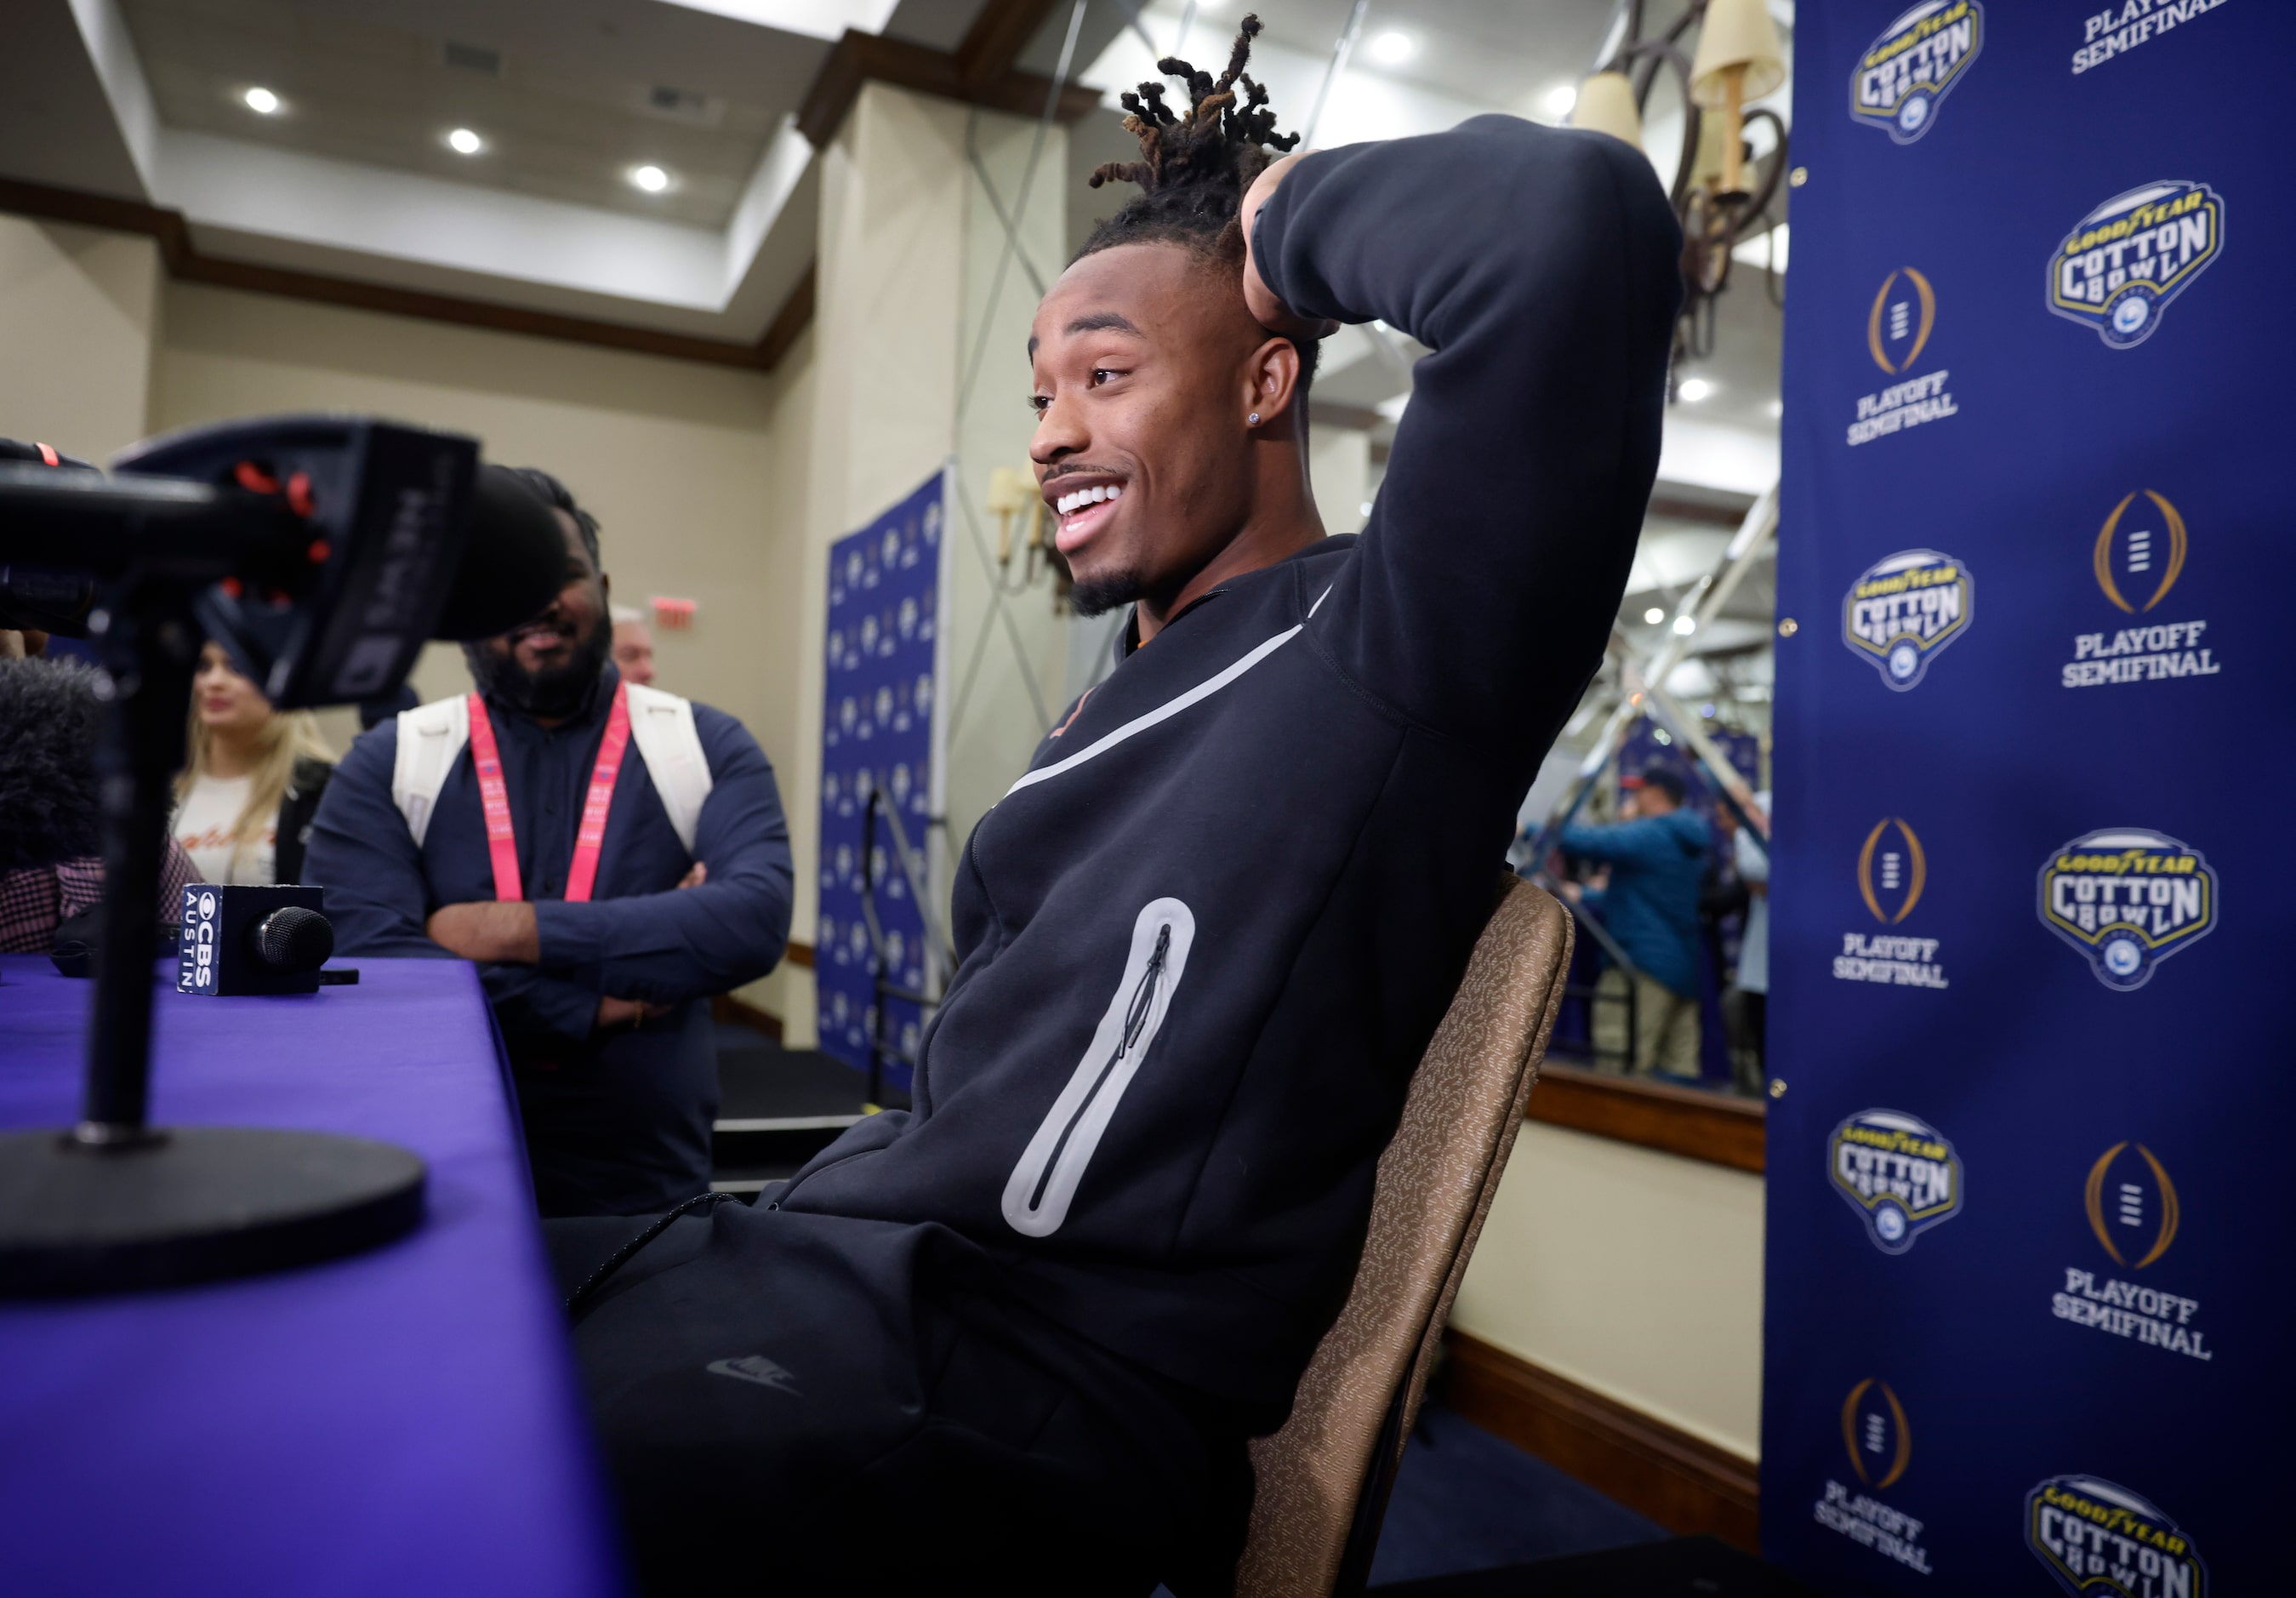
(1902, 611)
(2100, 1540)
(1898, 1172)
(2128, 899)
(1918, 59)
(2133, 1210)
(2122, 263)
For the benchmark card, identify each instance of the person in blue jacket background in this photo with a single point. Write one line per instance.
(1657, 856)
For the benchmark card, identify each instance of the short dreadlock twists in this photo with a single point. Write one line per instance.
(1196, 166)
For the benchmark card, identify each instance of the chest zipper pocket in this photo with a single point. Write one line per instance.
(1038, 1195)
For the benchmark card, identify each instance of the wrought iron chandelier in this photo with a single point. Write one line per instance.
(1721, 190)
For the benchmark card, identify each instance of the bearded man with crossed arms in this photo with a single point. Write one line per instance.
(597, 954)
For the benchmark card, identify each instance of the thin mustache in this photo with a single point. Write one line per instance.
(1057, 473)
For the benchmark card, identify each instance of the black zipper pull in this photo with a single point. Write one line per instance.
(1143, 997)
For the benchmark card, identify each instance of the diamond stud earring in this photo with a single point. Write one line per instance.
(1253, 419)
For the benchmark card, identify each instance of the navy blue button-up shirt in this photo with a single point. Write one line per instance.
(618, 1122)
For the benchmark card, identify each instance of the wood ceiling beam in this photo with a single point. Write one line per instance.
(997, 36)
(859, 57)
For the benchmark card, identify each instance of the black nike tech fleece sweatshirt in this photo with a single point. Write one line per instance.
(1204, 940)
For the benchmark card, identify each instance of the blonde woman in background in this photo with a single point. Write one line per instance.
(244, 804)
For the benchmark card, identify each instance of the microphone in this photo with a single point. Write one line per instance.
(51, 804)
(321, 551)
(251, 940)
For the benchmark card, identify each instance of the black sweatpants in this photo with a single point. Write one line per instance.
(809, 1404)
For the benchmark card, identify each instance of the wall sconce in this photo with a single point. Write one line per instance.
(1739, 58)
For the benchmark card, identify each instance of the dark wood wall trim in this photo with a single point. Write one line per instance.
(1690, 1121)
(1717, 507)
(728, 1008)
(795, 315)
(859, 57)
(727, 1011)
(997, 36)
(1683, 1482)
(187, 263)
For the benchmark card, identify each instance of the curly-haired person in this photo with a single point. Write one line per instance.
(1015, 1338)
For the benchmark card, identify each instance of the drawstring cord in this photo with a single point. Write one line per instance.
(621, 1256)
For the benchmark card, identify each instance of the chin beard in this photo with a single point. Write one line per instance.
(1097, 596)
(557, 692)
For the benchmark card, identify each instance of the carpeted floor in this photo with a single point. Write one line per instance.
(1466, 1501)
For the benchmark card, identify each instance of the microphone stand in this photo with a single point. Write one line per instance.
(115, 1203)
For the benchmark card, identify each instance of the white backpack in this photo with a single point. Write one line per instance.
(431, 737)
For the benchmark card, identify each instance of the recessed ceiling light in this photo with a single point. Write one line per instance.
(1685, 625)
(1654, 615)
(651, 179)
(1694, 389)
(464, 142)
(261, 101)
(1560, 98)
(1394, 47)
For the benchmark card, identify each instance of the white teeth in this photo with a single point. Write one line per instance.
(1069, 504)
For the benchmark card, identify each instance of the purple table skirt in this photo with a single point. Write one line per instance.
(405, 1421)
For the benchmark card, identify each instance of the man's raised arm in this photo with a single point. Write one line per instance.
(1540, 265)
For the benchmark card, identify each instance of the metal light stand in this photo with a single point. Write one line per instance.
(1640, 694)
(880, 963)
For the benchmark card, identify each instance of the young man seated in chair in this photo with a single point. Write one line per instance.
(1014, 1339)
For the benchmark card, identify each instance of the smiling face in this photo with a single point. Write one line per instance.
(1147, 364)
(547, 666)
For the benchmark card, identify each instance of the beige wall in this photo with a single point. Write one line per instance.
(1339, 470)
(1018, 689)
(696, 472)
(907, 254)
(1637, 1273)
(79, 311)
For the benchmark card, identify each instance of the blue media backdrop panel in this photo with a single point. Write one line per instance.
(877, 734)
(2026, 1298)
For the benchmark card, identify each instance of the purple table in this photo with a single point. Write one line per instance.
(403, 1421)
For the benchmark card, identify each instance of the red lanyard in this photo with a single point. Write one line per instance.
(502, 842)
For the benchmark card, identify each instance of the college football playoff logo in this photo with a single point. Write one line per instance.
(2132, 1205)
(1904, 316)
(2122, 263)
(1901, 77)
(1874, 1429)
(1891, 870)
(1898, 1172)
(2100, 1540)
(1902, 611)
(2149, 556)
(2128, 899)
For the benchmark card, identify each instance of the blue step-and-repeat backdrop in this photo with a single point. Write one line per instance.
(878, 714)
(2028, 1279)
